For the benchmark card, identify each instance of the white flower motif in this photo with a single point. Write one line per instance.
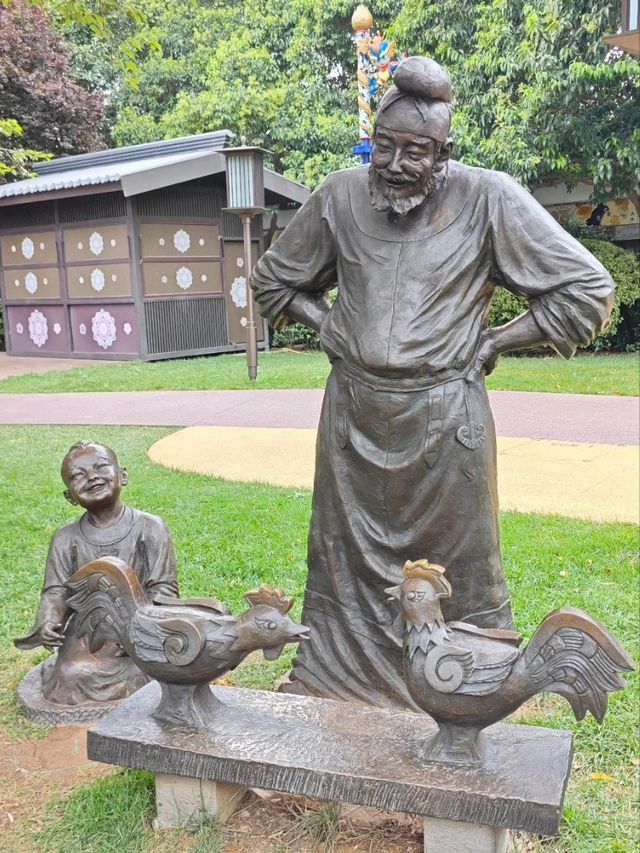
(80, 245)
(28, 249)
(42, 245)
(114, 277)
(14, 248)
(38, 328)
(31, 282)
(57, 328)
(97, 280)
(82, 329)
(81, 279)
(127, 328)
(113, 242)
(239, 292)
(182, 241)
(201, 242)
(19, 328)
(45, 280)
(184, 278)
(203, 278)
(96, 243)
(243, 321)
(161, 241)
(17, 282)
(103, 328)
(164, 279)
(240, 262)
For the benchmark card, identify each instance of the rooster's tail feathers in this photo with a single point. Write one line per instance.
(105, 594)
(574, 655)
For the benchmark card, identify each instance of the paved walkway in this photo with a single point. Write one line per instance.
(560, 417)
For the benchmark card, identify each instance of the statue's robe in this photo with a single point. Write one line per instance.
(74, 675)
(406, 452)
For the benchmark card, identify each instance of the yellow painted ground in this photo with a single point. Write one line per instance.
(600, 482)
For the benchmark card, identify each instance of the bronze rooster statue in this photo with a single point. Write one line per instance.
(182, 644)
(467, 678)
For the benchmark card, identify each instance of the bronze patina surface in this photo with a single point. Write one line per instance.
(70, 683)
(182, 644)
(369, 756)
(406, 456)
(467, 678)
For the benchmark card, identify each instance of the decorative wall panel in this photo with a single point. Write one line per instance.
(37, 329)
(104, 243)
(29, 248)
(38, 283)
(172, 240)
(235, 291)
(168, 278)
(99, 281)
(104, 329)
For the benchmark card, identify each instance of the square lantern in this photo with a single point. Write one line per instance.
(245, 179)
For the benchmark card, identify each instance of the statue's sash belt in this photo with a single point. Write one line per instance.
(397, 384)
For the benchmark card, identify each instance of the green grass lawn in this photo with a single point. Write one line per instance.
(586, 374)
(230, 537)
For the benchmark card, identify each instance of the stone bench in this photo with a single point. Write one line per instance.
(347, 753)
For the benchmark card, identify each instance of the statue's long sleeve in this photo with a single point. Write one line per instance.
(569, 292)
(302, 260)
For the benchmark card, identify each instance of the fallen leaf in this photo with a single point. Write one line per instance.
(601, 777)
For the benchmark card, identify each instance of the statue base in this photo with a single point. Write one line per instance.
(343, 752)
(40, 710)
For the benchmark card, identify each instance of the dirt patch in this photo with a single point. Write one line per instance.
(34, 771)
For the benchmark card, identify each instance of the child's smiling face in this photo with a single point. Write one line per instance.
(93, 477)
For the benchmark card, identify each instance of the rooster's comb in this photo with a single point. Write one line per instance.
(271, 595)
(431, 572)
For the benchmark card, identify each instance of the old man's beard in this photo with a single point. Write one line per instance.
(381, 201)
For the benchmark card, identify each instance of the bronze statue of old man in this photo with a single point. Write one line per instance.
(406, 455)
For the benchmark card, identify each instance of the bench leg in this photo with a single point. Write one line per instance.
(181, 801)
(452, 836)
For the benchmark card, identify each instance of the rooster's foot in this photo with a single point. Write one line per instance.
(455, 745)
(187, 705)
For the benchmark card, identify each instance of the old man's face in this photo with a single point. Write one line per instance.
(402, 173)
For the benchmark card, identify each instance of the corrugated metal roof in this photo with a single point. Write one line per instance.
(141, 168)
(105, 167)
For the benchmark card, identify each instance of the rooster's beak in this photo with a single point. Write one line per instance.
(394, 593)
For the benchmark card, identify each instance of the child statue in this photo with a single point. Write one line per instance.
(94, 479)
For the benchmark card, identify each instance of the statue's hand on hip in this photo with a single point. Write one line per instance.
(486, 357)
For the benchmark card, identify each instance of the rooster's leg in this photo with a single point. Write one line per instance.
(187, 705)
(455, 744)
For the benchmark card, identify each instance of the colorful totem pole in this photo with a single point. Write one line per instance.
(377, 63)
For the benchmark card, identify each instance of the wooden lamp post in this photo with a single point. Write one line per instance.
(245, 198)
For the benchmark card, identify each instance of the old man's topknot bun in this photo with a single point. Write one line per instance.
(423, 78)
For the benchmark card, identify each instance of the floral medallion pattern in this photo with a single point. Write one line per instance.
(239, 292)
(96, 243)
(38, 328)
(103, 328)
(97, 280)
(82, 329)
(127, 328)
(182, 241)
(31, 282)
(19, 328)
(184, 278)
(243, 322)
(28, 249)
(57, 328)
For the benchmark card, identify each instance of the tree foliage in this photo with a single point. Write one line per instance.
(539, 94)
(36, 91)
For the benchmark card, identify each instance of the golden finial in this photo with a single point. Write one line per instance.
(362, 19)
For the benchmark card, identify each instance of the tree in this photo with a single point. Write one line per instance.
(538, 93)
(55, 114)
